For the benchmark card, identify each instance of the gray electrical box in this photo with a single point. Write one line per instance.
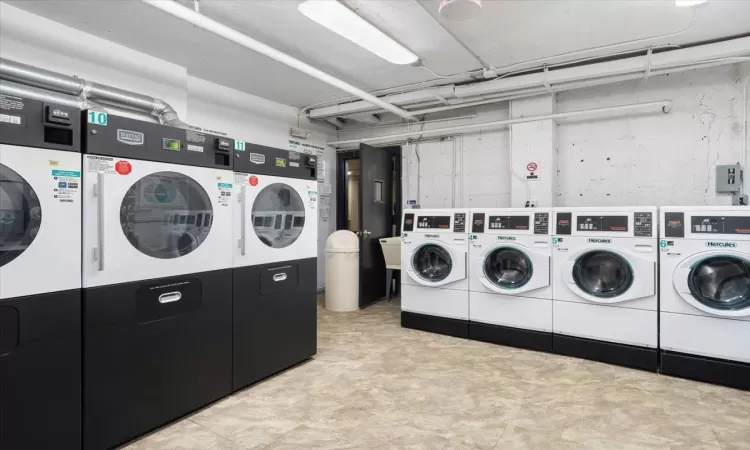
(728, 179)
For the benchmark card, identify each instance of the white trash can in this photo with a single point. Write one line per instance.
(342, 271)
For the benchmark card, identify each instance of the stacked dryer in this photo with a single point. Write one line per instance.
(604, 285)
(275, 261)
(705, 294)
(40, 275)
(510, 298)
(435, 290)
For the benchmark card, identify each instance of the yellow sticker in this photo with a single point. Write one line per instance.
(52, 162)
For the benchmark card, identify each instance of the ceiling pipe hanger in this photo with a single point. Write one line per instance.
(201, 21)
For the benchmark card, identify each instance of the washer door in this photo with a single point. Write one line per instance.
(436, 264)
(166, 215)
(507, 268)
(602, 274)
(20, 215)
(716, 283)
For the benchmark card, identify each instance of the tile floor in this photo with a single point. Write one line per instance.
(374, 385)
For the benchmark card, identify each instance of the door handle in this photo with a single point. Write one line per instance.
(366, 233)
(99, 194)
(243, 218)
(170, 297)
(279, 277)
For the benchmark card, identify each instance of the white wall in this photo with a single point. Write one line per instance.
(639, 159)
(34, 40)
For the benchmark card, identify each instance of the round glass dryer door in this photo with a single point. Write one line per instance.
(508, 268)
(278, 215)
(432, 263)
(166, 215)
(20, 215)
(721, 283)
(602, 274)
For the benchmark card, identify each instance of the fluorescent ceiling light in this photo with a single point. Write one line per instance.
(685, 3)
(344, 22)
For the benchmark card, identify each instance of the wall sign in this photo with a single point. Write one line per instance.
(531, 169)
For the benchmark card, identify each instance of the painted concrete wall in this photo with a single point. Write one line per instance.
(34, 40)
(638, 159)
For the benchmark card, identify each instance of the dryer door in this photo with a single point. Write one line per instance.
(436, 264)
(606, 275)
(717, 283)
(510, 268)
(20, 215)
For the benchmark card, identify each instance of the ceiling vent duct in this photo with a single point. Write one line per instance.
(460, 10)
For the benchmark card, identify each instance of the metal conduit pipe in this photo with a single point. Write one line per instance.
(89, 91)
(663, 105)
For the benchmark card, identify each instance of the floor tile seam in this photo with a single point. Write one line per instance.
(190, 419)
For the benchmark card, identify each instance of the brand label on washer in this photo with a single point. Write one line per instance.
(599, 241)
(506, 238)
(721, 244)
(130, 137)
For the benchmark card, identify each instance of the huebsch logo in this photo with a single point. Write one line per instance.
(721, 244)
(599, 241)
(130, 137)
(257, 158)
(506, 238)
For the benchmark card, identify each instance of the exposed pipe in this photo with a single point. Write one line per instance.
(468, 116)
(744, 130)
(219, 29)
(664, 105)
(20, 90)
(89, 91)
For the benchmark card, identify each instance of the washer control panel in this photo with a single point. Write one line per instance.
(541, 223)
(643, 224)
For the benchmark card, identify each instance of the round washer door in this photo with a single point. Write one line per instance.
(432, 263)
(278, 215)
(508, 268)
(166, 215)
(20, 215)
(602, 274)
(721, 283)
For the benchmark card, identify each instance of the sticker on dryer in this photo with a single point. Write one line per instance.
(312, 198)
(11, 119)
(66, 185)
(293, 164)
(253, 180)
(104, 164)
(195, 148)
(280, 162)
(123, 167)
(225, 193)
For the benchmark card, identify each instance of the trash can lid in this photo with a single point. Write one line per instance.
(342, 241)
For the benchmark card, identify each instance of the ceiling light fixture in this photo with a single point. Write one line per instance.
(687, 3)
(344, 22)
(460, 10)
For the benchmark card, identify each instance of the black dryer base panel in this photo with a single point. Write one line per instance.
(510, 336)
(147, 363)
(275, 318)
(40, 372)
(609, 352)
(435, 324)
(710, 370)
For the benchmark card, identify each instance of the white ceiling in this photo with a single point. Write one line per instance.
(506, 33)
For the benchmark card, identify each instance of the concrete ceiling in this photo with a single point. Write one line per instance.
(506, 33)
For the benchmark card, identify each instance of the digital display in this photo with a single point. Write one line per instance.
(437, 222)
(508, 223)
(720, 225)
(171, 144)
(603, 223)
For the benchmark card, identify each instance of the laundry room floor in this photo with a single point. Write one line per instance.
(376, 385)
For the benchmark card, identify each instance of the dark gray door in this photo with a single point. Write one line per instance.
(375, 221)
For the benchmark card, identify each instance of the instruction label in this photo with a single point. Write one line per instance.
(225, 193)
(66, 185)
(104, 164)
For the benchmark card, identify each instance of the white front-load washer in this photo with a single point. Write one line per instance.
(605, 304)
(510, 293)
(705, 294)
(435, 289)
(40, 275)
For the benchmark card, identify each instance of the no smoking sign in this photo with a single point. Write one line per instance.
(531, 168)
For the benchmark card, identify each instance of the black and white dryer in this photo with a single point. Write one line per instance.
(40, 275)
(157, 277)
(275, 261)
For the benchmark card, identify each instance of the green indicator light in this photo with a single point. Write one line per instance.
(171, 144)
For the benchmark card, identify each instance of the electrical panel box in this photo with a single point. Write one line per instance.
(728, 179)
